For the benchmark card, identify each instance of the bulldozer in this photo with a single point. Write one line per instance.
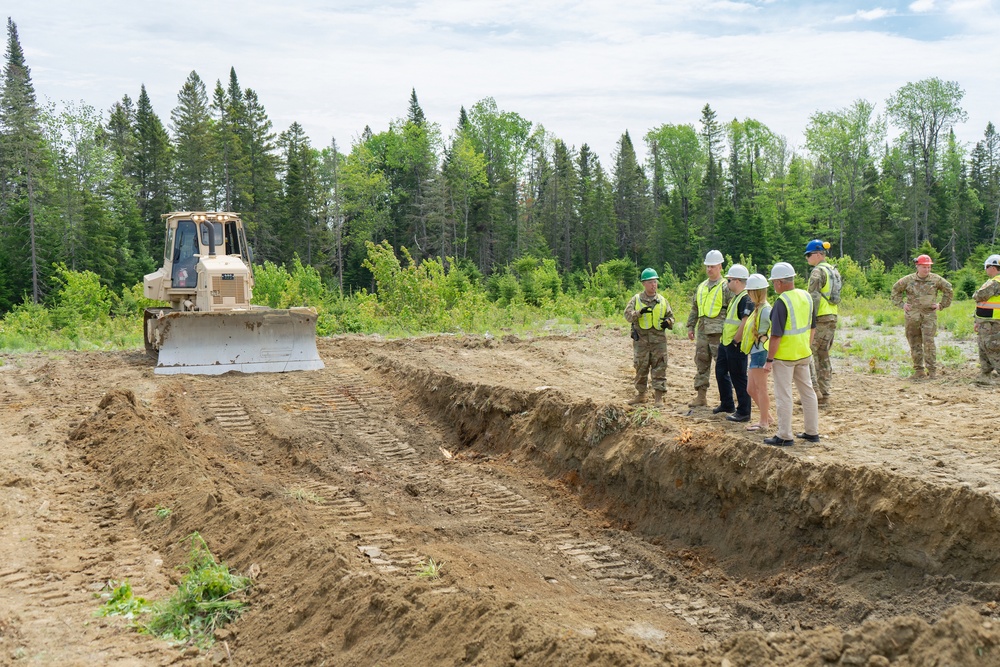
(211, 327)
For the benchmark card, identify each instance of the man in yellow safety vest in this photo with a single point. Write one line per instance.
(705, 321)
(650, 315)
(793, 321)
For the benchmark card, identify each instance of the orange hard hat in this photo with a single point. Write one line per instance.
(924, 259)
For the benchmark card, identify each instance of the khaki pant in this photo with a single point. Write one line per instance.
(989, 346)
(921, 327)
(706, 348)
(649, 356)
(786, 372)
(821, 370)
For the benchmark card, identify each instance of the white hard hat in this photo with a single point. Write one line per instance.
(782, 270)
(756, 281)
(738, 271)
(992, 260)
(714, 257)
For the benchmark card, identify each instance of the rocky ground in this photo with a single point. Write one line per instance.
(567, 527)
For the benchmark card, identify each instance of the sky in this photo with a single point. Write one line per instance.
(586, 70)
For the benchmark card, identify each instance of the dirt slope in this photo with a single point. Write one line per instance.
(568, 529)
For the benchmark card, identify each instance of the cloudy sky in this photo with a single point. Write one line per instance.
(586, 70)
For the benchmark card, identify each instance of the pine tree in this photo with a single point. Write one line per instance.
(23, 163)
(152, 169)
(192, 124)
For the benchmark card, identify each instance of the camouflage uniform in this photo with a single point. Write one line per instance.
(989, 330)
(921, 319)
(649, 353)
(821, 370)
(708, 333)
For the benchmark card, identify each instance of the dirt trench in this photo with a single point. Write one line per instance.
(567, 531)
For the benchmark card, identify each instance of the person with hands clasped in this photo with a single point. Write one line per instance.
(704, 324)
(793, 321)
(920, 291)
(650, 316)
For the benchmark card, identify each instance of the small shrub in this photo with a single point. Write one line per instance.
(207, 598)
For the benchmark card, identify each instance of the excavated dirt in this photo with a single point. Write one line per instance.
(568, 529)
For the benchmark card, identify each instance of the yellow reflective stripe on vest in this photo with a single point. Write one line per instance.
(989, 309)
(798, 323)
(651, 320)
(825, 307)
(732, 323)
(710, 299)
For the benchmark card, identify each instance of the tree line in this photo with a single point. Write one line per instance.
(84, 190)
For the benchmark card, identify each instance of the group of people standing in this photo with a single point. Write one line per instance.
(732, 322)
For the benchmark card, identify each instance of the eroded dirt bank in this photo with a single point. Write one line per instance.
(567, 531)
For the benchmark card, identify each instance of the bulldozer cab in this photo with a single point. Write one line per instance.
(186, 252)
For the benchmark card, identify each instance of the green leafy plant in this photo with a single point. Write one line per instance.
(429, 569)
(120, 601)
(208, 597)
(163, 512)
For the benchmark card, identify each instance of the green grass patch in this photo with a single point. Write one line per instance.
(429, 569)
(120, 601)
(207, 597)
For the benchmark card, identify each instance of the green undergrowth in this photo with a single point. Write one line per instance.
(410, 297)
(208, 597)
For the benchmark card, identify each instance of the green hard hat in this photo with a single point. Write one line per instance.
(648, 274)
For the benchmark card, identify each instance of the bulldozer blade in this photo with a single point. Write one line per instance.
(254, 341)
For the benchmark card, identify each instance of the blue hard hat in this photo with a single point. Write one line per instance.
(817, 246)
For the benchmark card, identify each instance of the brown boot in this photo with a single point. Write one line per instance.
(699, 400)
(931, 373)
(918, 374)
(638, 399)
(658, 398)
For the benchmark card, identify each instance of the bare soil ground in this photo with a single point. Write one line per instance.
(569, 529)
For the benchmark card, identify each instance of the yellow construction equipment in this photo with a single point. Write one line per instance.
(211, 327)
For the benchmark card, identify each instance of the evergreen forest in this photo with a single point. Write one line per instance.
(82, 190)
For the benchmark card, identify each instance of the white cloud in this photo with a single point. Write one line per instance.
(865, 15)
(586, 70)
(921, 6)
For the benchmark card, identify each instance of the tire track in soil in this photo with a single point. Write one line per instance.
(71, 541)
(348, 406)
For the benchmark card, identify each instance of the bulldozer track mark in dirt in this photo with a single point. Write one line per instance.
(505, 474)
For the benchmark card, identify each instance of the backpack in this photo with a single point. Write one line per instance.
(836, 283)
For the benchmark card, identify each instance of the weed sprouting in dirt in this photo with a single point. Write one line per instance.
(163, 512)
(305, 495)
(207, 598)
(643, 415)
(120, 601)
(429, 569)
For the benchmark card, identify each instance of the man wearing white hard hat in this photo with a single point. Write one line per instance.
(987, 300)
(731, 364)
(705, 322)
(793, 323)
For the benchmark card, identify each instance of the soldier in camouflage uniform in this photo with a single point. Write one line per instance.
(707, 317)
(821, 370)
(921, 304)
(987, 300)
(650, 315)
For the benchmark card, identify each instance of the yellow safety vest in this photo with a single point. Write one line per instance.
(750, 332)
(798, 324)
(732, 323)
(651, 320)
(989, 309)
(710, 299)
(825, 307)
